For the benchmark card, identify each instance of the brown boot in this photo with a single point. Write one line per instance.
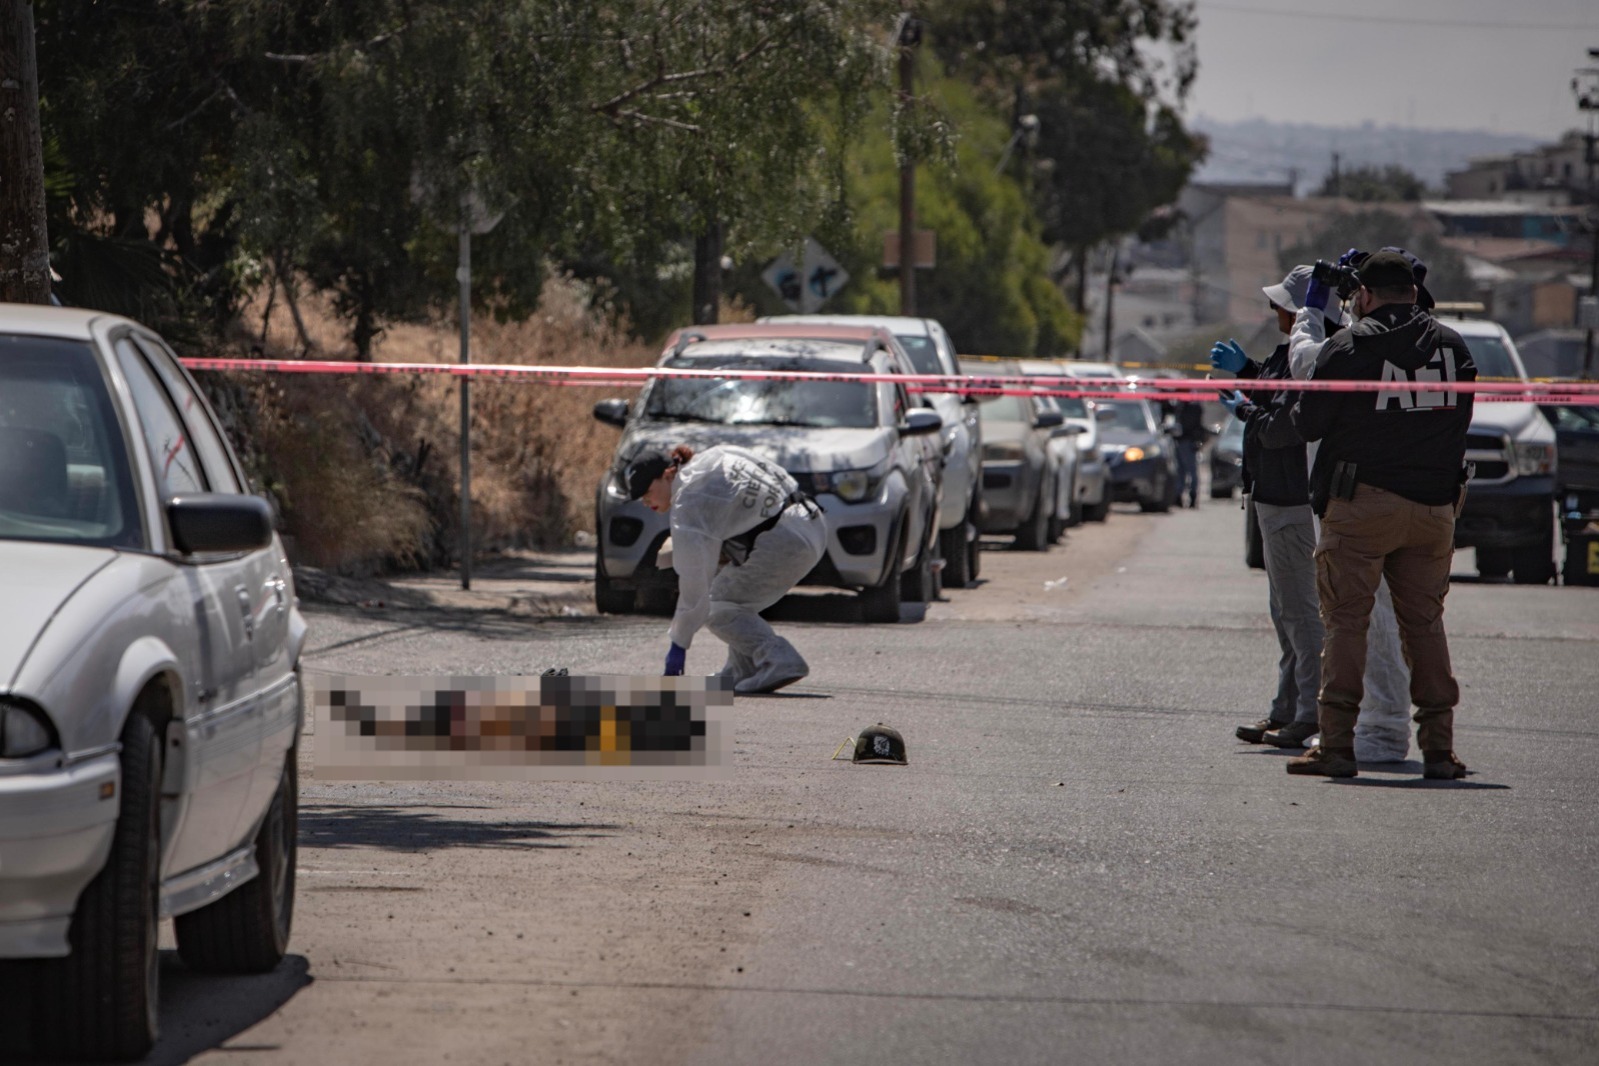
(1442, 766)
(1325, 762)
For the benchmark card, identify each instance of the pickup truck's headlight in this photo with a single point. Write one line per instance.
(1133, 454)
(1003, 451)
(851, 486)
(1534, 459)
(23, 732)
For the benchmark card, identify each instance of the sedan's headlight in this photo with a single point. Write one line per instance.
(1534, 459)
(23, 732)
(1133, 454)
(1003, 451)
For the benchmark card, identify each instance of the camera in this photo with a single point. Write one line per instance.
(1341, 279)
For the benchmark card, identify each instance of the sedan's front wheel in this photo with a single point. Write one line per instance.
(247, 930)
(100, 1002)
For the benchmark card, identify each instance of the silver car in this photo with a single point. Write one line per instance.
(931, 351)
(1090, 501)
(865, 450)
(149, 694)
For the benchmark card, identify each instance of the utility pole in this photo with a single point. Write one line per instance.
(1588, 101)
(1110, 302)
(463, 275)
(24, 239)
(909, 36)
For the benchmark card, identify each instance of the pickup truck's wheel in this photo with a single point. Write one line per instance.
(1494, 562)
(1532, 566)
(608, 599)
(880, 603)
(100, 1002)
(247, 930)
(1161, 498)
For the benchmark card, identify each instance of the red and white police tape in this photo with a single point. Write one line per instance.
(1544, 392)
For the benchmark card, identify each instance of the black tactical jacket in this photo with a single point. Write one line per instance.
(1409, 442)
(1275, 469)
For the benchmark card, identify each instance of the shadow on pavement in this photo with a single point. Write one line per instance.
(200, 1012)
(414, 829)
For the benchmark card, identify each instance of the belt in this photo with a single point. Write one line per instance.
(738, 548)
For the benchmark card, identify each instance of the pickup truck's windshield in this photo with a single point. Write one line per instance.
(1493, 360)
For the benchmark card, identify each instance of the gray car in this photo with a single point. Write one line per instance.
(1019, 488)
(149, 693)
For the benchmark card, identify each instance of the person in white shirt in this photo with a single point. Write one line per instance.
(743, 535)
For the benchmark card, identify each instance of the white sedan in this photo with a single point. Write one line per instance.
(149, 691)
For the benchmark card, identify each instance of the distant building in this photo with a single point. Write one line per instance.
(1507, 220)
(1552, 175)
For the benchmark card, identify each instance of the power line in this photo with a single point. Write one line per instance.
(1442, 24)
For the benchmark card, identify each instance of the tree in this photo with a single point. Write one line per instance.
(24, 243)
(1111, 146)
(1374, 228)
(1370, 184)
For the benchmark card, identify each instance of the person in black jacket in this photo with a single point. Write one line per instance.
(1388, 482)
(1278, 481)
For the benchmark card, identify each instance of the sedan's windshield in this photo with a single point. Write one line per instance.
(1130, 415)
(753, 402)
(63, 470)
(1492, 360)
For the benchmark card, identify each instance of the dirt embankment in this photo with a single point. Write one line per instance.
(366, 470)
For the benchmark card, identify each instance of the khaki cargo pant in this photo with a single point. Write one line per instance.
(1379, 534)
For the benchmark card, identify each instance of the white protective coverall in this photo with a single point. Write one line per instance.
(1382, 732)
(720, 493)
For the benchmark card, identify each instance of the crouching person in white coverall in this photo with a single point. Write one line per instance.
(743, 535)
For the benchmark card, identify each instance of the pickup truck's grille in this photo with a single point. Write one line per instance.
(1490, 452)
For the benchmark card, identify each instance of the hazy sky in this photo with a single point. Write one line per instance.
(1498, 65)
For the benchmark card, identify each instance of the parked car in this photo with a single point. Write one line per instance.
(931, 351)
(867, 452)
(1018, 473)
(1509, 513)
(1577, 453)
(1227, 460)
(149, 687)
(1091, 496)
(1139, 454)
(1065, 461)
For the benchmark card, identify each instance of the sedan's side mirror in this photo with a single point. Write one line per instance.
(219, 522)
(1104, 414)
(612, 412)
(921, 421)
(1049, 420)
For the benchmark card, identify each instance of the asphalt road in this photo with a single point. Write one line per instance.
(1079, 864)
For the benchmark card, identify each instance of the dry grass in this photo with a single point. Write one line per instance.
(366, 469)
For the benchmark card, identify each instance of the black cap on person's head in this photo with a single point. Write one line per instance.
(643, 471)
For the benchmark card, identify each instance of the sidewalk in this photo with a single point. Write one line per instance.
(522, 583)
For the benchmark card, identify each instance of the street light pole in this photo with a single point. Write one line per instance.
(909, 36)
(463, 275)
(1588, 101)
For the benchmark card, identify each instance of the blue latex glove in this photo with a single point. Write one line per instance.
(1321, 297)
(675, 659)
(1228, 355)
(1232, 400)
(1349, 257)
